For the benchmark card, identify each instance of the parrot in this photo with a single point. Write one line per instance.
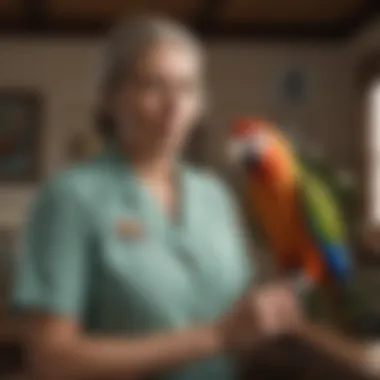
(295, 209)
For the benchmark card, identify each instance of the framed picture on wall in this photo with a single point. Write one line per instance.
(8, 248)
(293, 86)
(20, 135)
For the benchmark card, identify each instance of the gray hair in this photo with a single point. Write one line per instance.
(127, 40)
(124, 45)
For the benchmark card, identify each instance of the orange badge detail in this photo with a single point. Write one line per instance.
(129, 229)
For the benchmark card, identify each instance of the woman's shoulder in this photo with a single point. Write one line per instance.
(77, 181)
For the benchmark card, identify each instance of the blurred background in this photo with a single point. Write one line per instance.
(312, 67)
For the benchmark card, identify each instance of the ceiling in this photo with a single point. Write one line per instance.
(325, 19)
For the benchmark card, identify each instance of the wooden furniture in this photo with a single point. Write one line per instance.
(294, 360)
(10, 345)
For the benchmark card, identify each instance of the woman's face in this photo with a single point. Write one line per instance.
(159, 103)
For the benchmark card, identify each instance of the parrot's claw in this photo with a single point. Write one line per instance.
(302, 285)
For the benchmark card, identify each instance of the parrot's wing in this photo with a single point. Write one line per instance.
(324, 223)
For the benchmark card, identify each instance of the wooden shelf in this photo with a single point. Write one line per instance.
(8, 329)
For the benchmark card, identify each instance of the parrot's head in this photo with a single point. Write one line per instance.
(257, 145)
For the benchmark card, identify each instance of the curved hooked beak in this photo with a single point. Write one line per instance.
(243, 153)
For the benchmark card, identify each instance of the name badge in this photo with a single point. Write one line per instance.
(129, 229)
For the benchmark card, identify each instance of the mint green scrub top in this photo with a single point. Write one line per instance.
(172, 274)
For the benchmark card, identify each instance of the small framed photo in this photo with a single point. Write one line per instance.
(293, 86)
(8, 253)
(20, 135)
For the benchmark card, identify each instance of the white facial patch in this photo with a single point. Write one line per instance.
(259, 143)
(241, 148)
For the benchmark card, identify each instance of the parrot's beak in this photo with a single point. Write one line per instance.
(242, 154)
(251, 160)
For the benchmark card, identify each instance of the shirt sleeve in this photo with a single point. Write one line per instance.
(52, 268)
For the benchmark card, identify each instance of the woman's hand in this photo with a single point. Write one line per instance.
(264, 313)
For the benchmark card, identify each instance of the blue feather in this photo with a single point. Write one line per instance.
(338, 260)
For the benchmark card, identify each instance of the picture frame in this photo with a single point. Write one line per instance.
(20, 135)
(8, 252)
(293, 86)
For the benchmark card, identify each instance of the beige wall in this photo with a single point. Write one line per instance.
(366, 41)
(242, 80)
(65, 74)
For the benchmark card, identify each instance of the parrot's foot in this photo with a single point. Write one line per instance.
(302, 285)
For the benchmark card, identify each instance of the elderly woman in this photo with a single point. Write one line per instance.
(132, 261)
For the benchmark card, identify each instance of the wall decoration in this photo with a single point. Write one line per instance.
(20, 135)
(8, 247)
(293, 86)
